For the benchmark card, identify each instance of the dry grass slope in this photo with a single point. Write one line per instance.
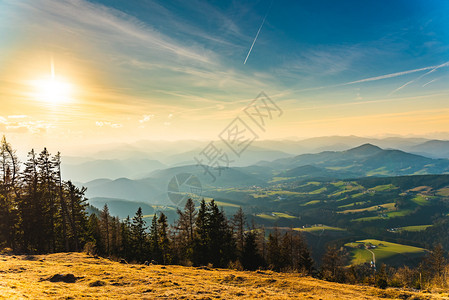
(24, 277)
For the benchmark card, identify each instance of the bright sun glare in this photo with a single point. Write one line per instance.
(52, 89)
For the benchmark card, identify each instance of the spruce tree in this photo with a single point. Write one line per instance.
(105, 227)
(201, 237)
(185, 226)
(139, 236)
(239, 223)
(155, 247)
(274, 258)
(164, 242)
(251, 258)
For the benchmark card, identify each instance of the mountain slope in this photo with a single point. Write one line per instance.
(100, 278)
(365, 160)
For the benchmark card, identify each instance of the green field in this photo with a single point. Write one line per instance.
(275, 216)
(421, 200)
(318, 191)
(380, 171)
(392, 214)
(319, 228)
(415, 228)
(444, 192)
(352, 204)
(385, 187)
(276, 179)
(311, 202)
(384, 251)
(383, 207)
(346, 188)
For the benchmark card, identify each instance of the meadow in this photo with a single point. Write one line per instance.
(39, 277)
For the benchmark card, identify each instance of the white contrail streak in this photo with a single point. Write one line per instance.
(416, 79)
(258, 31)
(433, 80)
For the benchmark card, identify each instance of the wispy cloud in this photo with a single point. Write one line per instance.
(115, 26)
(146, 118)
(17, 124)
(107, 124)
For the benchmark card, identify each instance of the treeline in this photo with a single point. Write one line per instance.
(201, 237)
(39, 212)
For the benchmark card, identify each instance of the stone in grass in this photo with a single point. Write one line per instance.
(67, 278)
(97, 283)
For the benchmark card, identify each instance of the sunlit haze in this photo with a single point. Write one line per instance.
(89, 72)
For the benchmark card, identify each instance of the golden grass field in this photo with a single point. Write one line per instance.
(26, 277)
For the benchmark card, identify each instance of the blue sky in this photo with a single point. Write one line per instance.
(157, 68)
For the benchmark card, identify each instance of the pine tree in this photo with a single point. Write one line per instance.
(76, 213)
(154, 240)
(274, 258)
(239, 222)
(105, 228)
(95, 235)
(125, 233)
(302, 259)
(201, 237)
(164, 242)
(9, 166)
(185, 227)
(139, 236)
(31, 207)
(62, 201)
(48, 189)
(251, 258)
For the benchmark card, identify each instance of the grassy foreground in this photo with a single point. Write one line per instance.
(28, 277)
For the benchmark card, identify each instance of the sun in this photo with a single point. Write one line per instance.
(52, 89)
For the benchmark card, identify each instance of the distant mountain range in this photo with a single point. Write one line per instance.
(366, 160)
(140, 159)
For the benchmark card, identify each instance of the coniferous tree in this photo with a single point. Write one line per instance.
(96, 235)
(9, 195)
(274, 258)
(105, 219)
(76, 213)
(185, 227)
(164, 242)
(47, 185)
(302, 258)
(251, 258)
(125, 233)
(31, 207)
(62, 201)
(155, 246)
(239, 222)
(201, 237)
(139, 236)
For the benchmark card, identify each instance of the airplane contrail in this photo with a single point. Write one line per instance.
(257, 34)
(416, 79)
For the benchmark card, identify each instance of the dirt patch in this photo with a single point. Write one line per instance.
(97, 283)
(67, 278)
